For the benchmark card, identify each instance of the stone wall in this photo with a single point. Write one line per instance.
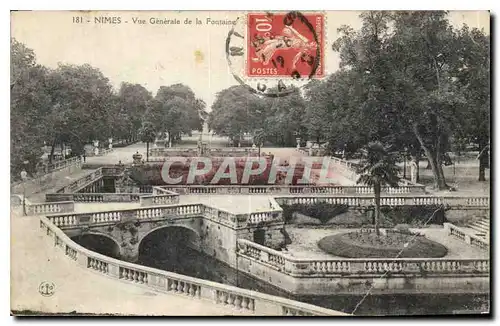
(218, 241)
(359, 284)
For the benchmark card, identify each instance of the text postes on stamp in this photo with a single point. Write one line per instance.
(285, 45)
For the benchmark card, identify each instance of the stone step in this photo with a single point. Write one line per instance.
(479, 227)
(479, 230)
(481, 223)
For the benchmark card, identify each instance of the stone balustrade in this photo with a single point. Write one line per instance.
(466, 237)
(359, 266)
(155, 153)
(46, 177)
(50, 208)
(58, 165)
(71, 220)
(169, 152)
(289, 190)
(357, 201)
(169, 209)
(102, 152)
(245, 301)
(348, 169)
(265, 217)
(112, 171)
(82, 182)
(106, 197)
(160, 199)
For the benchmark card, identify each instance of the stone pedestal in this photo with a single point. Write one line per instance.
(137, 158)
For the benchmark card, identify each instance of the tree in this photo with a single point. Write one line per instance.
(175, 110)
(30, 100)
(234, 112)
(259, 137)
(405, 66)
(132, 106)
(147, 135)
(426, 92)
(472, 71)
(377, 169)
(83, 106)
(282, 117)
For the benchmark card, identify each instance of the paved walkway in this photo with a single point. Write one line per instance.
(56, 185)
(237, 204)
(305, 242)
(34, 260)
(123, 154)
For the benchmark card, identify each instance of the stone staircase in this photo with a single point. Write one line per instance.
(480, 227)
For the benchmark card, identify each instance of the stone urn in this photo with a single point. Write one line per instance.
(137, 158)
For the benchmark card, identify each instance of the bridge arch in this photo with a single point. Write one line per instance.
(156, 229)
(99, 242)
(167, 239)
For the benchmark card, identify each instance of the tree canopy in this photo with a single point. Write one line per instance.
(409, 80)
(76, 104)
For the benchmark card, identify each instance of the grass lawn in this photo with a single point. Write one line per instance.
(368, 245)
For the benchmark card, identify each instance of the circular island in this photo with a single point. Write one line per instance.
(391, 244)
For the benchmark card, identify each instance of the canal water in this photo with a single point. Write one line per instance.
(183, 260)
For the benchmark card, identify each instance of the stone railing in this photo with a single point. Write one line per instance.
(360, 266)
(224, 217)
(46, 178)
(82, 182)
(355, 201)
(114, 216)
(101, 152)
(58, 165)
(170, 211)
(245, 301)
(172, 151)
(466, 237)
(190, 152)
(100, 197)
(50, 208)
(112, 171)
(163, 199)
(289, 190)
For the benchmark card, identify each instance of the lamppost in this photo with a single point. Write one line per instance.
(24, 177)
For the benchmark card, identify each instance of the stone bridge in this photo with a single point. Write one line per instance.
(211, 230)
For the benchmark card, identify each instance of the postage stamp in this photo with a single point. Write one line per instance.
(285, 44)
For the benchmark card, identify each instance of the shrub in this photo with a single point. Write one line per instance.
(320, 211)
(415, 215)
(369, 245)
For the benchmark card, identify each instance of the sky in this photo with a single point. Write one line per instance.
(155, 55)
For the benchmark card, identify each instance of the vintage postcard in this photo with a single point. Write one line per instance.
(257, 163)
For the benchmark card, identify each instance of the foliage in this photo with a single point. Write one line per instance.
(320, 211)
(76, 104)
(175, 110)
(147, 135)
(237, 111)
(415, 74)
(415, 215)
(368, 245)
(377, 169)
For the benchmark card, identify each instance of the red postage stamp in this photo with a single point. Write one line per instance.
(285, 45)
